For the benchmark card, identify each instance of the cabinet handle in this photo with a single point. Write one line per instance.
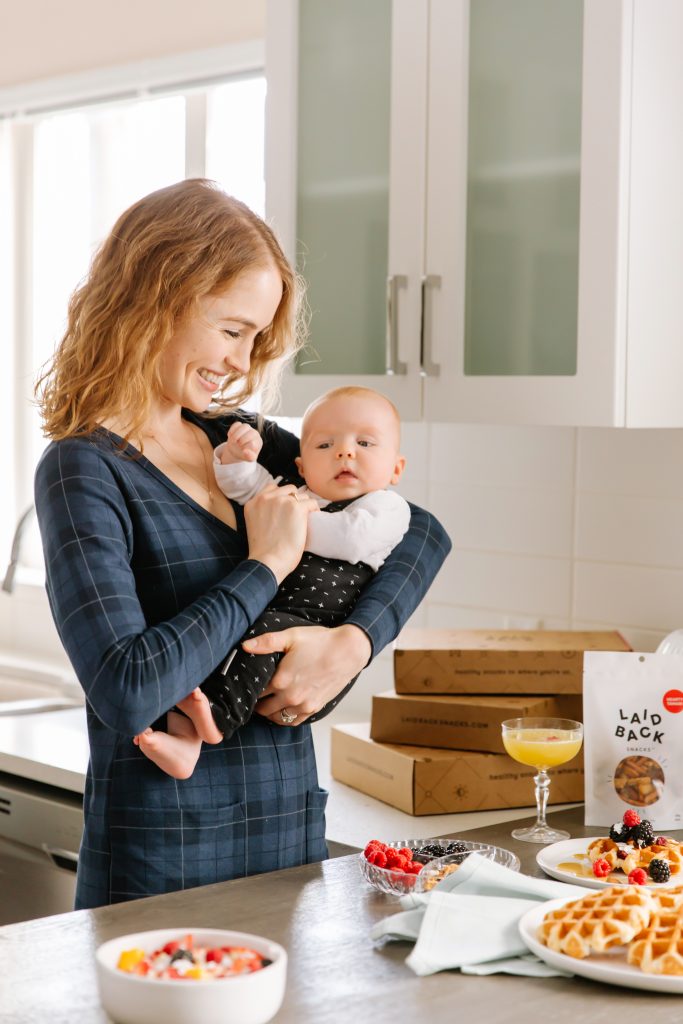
(427, 367)
(65, 859)
(394, 365)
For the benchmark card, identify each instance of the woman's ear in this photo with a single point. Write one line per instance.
(398, 469)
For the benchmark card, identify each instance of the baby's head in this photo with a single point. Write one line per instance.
(350, 440)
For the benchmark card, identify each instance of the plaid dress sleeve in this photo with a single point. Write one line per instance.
(117, 559)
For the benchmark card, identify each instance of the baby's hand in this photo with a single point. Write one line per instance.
(243, 444)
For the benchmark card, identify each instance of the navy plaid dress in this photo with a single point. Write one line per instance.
(149, 592)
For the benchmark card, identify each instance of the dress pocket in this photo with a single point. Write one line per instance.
(158, 851)
(316, 846)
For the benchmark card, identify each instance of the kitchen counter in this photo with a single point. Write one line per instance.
(322, 914)
(52, 748)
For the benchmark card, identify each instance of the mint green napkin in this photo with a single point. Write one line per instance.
(470, 920)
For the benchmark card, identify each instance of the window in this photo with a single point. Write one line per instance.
(67, 172)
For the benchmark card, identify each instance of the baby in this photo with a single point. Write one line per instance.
(350, 455)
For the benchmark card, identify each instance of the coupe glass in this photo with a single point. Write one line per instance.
(542, 743)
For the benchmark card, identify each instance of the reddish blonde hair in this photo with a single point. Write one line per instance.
(164, 253)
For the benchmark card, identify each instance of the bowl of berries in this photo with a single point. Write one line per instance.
(180, 976)
(405, 866)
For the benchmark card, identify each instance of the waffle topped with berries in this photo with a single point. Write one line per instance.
(633, 850)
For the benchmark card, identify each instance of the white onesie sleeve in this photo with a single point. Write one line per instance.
(240, 480)
(365, 531)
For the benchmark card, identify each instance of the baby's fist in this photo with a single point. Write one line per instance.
(243, 444)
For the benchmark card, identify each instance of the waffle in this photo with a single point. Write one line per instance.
(667, 899)
(610, 917)
(658, 948)
(605, 849)
(640, 858)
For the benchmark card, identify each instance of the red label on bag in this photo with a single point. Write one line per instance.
(673, 701)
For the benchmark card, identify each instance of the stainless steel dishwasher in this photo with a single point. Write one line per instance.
(40, 832)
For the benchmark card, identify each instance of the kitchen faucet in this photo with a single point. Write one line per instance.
(8, 582)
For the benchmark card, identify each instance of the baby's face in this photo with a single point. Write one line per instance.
(349, 446)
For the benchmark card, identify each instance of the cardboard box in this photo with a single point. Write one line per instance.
(426, 780)
(460, 722)
(496, 661)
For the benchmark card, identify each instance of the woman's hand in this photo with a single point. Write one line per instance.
(317, 665)
(276, 521)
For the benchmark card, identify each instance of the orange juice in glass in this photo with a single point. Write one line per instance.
(542, 743)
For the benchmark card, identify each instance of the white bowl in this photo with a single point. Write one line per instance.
(244, 999)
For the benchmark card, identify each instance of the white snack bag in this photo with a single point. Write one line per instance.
(633, 737)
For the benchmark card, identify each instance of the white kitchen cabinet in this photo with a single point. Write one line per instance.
(505, 172)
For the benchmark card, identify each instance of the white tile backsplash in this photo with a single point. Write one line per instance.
(577, 529)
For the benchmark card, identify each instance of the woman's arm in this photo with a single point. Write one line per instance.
(131, 672)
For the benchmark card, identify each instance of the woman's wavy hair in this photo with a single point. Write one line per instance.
(163, 254)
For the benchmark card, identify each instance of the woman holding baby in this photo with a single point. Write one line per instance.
(153, 574)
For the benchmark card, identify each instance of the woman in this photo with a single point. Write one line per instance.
(152, 576)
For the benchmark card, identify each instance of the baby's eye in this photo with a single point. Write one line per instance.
(324, 444)
(365, 444)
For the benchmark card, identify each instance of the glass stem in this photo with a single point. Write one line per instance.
(542, 783)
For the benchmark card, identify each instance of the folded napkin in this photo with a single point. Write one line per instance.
(470, 920)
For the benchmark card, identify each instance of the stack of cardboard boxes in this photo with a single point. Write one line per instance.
(434, 744)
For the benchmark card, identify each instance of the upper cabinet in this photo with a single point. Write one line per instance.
(484, 198)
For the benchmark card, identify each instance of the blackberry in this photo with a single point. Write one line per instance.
(659, 870)
(182, 954)
(457, 848)
(619, 833)
(429, 852)
(643, 834)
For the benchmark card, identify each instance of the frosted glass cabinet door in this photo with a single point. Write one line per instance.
(330, 67)
(523, 184)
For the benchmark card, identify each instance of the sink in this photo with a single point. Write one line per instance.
(28, 688)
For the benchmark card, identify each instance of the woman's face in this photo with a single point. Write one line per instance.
(219, 339)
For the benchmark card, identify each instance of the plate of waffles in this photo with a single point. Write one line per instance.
(623, 935)
(572, 860)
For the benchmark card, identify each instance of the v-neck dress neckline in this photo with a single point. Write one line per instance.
(154, 470)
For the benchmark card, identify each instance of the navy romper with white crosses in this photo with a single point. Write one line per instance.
(149, 593)
(319, 592)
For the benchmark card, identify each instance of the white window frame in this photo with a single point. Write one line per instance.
(190, 73)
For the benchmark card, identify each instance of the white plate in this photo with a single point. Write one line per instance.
(612, 967)
(550, 858)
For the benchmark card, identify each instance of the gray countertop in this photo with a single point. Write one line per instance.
(323, 914)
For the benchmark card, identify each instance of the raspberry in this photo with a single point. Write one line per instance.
(661, 841)
(637, 877)
(622, 854)
(659, 870)
(601, 868)
(414, 867)
(393, 858)
(378, 858)
(631, 818)
(406, 852)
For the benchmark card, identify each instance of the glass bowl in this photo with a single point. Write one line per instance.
(397, 883)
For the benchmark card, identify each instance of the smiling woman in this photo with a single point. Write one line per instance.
(153, 576)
